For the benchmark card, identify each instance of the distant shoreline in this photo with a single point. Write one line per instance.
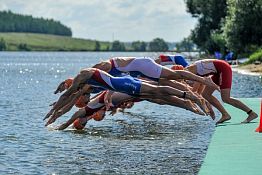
(250, 69)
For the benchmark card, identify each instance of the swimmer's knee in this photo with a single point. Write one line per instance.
(226, 99)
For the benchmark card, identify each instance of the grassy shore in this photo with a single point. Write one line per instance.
(43, 42)
(251, 68)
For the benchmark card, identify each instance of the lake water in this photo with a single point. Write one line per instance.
(148, 139)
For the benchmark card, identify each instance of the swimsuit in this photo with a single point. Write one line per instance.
(114, 71)
(220, 70)
(125, 84)
(95, 105)
(140, 66)
(98, 103)
(173, 59)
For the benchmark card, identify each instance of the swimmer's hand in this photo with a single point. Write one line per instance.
(108, 106)
(108, 100)
(60, 88)
(113, 111)
(50, 121)
(62, 126)
(52, 104)
(53, 117)
(49, 114)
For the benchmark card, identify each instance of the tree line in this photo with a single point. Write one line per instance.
(10, 22)
(156, 45)
(223, 25)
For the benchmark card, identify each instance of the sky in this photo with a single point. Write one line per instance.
(108, 20)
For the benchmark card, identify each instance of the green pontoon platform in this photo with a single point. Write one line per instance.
(235, 148)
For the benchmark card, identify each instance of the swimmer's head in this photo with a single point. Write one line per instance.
(99, 115)
(80, 123)
(68, 82)
(83, 100)
(64, 85)
(177, 67)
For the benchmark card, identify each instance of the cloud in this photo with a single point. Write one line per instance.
(127, 20)
(3, 7)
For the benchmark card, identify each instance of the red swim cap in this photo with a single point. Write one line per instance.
(68, 82)
(80, 103)
(80, 123)
(99, 115)
(177, 67)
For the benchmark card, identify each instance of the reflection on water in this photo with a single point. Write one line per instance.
(148, 139)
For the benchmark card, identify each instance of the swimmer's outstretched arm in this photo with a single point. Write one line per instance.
(65, 109)
(113, 110)
(198, 88)
(72, 100)
(80, 113)
(56, 109)
(60, 88)
(64, 98)
(175, 84)
(204, 80)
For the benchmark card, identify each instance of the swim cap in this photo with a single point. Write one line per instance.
(80, 123)
(98, 116)
(80, 103)
(177, 67)
(68, 82)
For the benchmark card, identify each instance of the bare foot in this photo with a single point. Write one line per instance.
(250, 117)
(223, 119)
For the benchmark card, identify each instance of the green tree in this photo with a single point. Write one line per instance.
(185, 45)
(118, 46)
(138, 46)
(107, 48)
(158, 45)
(243, 25)
(217, 42)
(97, 46)
(10, 22)
(23, 47)
(210, 14)
(2, 44)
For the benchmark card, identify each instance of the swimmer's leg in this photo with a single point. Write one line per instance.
(207, 94)
(225, 95)
(251, 116)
